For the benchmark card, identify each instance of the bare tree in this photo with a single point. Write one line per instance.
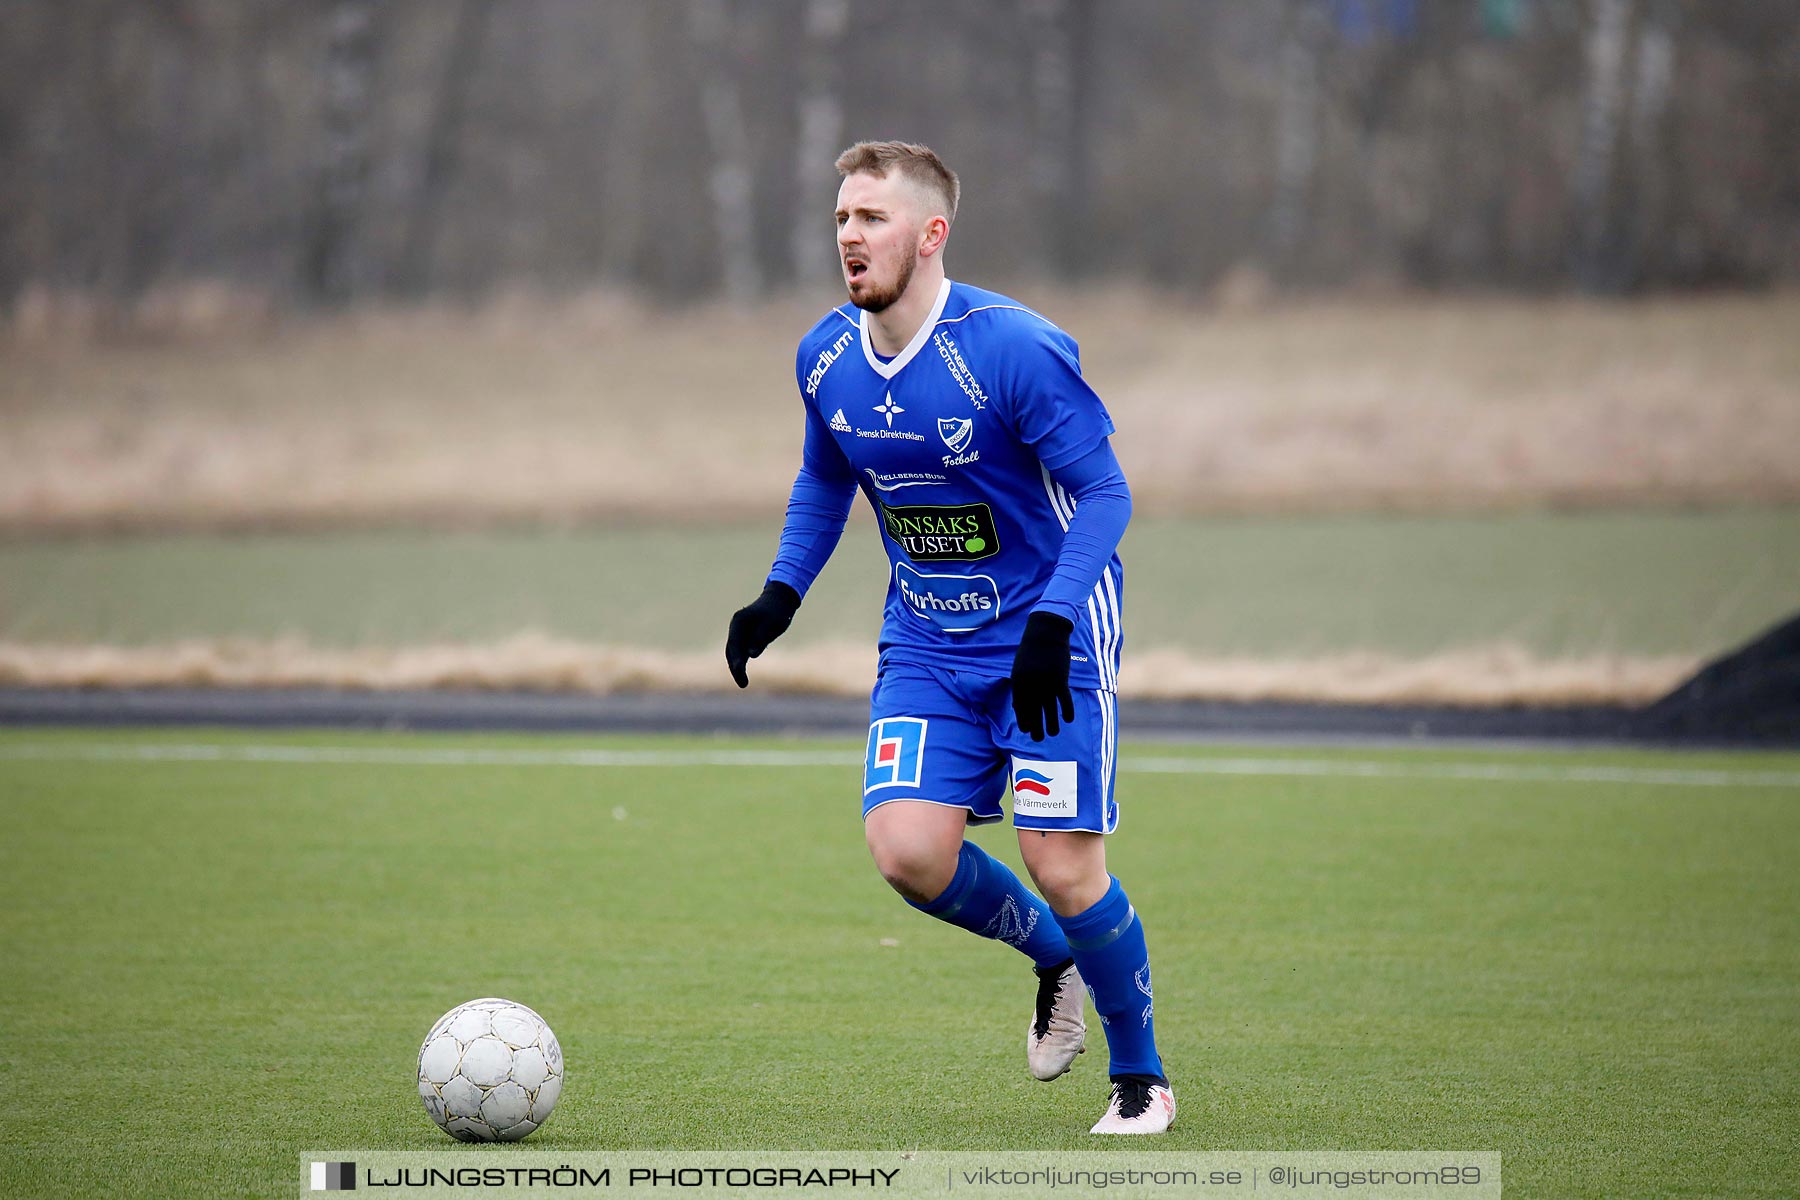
(1061, 41)
(1296, 127)
(1652, 79)
(821, 106)
(443, 140)
(331, 261)
(730, 182)
(320, 150)
(1602, 102)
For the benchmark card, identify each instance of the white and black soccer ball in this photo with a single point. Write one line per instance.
(490, 1071)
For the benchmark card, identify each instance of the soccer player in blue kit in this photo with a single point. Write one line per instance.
(963, 417)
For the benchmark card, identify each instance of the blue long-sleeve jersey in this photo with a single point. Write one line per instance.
(983, 453)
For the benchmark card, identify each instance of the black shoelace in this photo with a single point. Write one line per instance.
(1134, 1098)
(1050, 986)
(1133, 1092)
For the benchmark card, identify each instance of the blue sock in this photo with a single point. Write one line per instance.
(1108, 944)
(987, 899)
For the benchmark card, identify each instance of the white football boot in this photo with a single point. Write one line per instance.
(1058, 1030)
(1138, 1106)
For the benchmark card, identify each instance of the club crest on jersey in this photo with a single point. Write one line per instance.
(956, 432)
(896, 753)
(1043, 789)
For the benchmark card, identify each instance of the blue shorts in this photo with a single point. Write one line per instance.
(949, 737)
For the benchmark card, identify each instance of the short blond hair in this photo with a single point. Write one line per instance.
(914, 162)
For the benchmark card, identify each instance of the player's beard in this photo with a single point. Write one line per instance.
(876, 301)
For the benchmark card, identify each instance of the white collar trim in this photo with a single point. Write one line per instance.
(887, 370)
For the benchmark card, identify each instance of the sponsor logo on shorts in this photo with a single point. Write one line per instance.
(954, 603)
(1043, 789)
(896, 754)
(934, 532)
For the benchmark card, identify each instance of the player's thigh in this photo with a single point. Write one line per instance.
(930, 744)
(915, 845)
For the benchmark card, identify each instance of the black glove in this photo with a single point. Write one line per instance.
(757, 624)
(1040, 675)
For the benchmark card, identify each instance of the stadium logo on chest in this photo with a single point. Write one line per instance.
(826, 358)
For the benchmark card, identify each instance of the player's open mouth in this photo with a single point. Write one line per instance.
(855, 268)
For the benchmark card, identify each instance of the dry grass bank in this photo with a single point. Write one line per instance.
(600, 407)
(1487, 675)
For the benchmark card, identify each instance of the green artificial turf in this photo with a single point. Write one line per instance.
(213, 965)
(1560, 584)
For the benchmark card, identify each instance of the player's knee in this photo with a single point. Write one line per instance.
(915, 869)
(1069, 885)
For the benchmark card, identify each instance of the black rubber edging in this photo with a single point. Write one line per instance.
(766, 714)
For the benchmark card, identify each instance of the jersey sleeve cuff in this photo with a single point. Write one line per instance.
(788, 579)
(1059, 608)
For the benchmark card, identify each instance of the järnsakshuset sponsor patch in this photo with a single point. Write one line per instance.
(942, 532)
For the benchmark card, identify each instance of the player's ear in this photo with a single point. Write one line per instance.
(932, 237)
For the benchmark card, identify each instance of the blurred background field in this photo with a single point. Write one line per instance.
(1451, 344)
(542, 411)
(1475, 608)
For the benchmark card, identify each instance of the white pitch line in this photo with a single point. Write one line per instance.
(422, 756)
(1501, 772)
